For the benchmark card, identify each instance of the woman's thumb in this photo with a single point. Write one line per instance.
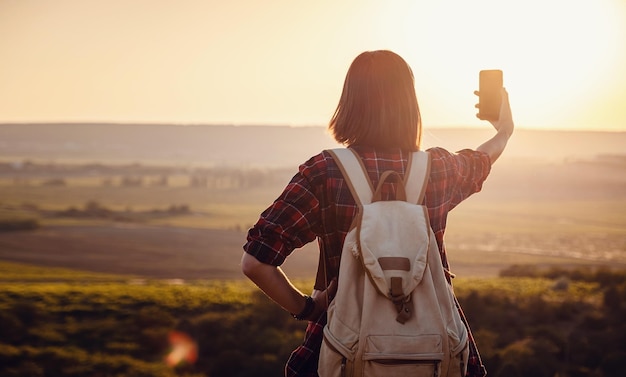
(332, 289)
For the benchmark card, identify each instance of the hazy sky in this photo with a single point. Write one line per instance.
(283, 61)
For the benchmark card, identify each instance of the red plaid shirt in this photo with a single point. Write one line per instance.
(317, 204)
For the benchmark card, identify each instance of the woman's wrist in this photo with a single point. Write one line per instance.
(309, 308)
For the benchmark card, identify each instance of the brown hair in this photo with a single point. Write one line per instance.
(378, 106)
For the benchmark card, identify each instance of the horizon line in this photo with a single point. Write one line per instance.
(225, 124)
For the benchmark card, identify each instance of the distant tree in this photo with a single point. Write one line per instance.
(132, 181)
(178, 209)
(59, 182)
(198, 181)
(16, 224)
(94, 209)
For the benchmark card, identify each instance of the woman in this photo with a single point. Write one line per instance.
(378, 117)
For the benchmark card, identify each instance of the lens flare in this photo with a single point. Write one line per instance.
(184, 349)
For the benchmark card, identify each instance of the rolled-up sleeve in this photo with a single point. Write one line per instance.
(456, 176)
(290, 222)
(473, 167)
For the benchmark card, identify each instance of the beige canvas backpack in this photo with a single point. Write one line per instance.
(394, 313)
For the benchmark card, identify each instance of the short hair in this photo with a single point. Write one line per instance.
(378, 105)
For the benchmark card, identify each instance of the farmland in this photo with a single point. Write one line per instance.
(175, 223)
(101, 263)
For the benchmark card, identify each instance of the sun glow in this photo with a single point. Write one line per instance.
(284, 61)
(561, 59)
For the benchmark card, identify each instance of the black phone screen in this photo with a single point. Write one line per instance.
(489, 94)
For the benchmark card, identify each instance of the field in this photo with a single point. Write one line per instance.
(78, 323)
(170, 223)
(102, 263)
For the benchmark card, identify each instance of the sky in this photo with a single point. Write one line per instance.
(283, 62)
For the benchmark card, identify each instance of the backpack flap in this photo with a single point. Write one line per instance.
(393, 241)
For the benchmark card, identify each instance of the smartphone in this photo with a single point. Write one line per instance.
(489, 94)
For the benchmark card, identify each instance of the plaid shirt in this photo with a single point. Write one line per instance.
(317, 204)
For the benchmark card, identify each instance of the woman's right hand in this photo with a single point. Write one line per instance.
(505, 120)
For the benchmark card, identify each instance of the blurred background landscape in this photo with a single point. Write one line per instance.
(120, 249)
(111, 197)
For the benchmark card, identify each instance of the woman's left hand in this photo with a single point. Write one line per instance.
(322, 300)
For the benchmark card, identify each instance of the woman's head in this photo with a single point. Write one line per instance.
(378, 106)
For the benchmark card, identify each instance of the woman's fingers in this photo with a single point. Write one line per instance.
(322, 299)
(331, 291)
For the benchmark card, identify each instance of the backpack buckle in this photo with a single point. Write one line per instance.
(400, 300)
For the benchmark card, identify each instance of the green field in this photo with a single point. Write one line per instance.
(76, 323)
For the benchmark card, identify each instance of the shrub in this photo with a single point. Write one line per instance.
(14, 224)
(55, 182)
(131, 181)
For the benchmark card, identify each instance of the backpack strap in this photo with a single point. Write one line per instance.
(416, 178)
(354, 172)
(361, 188)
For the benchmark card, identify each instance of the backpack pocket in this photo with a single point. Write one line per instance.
(337, 351)
(459, 352)
(458, 359)
(398, 356)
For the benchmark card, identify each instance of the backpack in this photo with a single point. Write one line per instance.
(394, 313)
